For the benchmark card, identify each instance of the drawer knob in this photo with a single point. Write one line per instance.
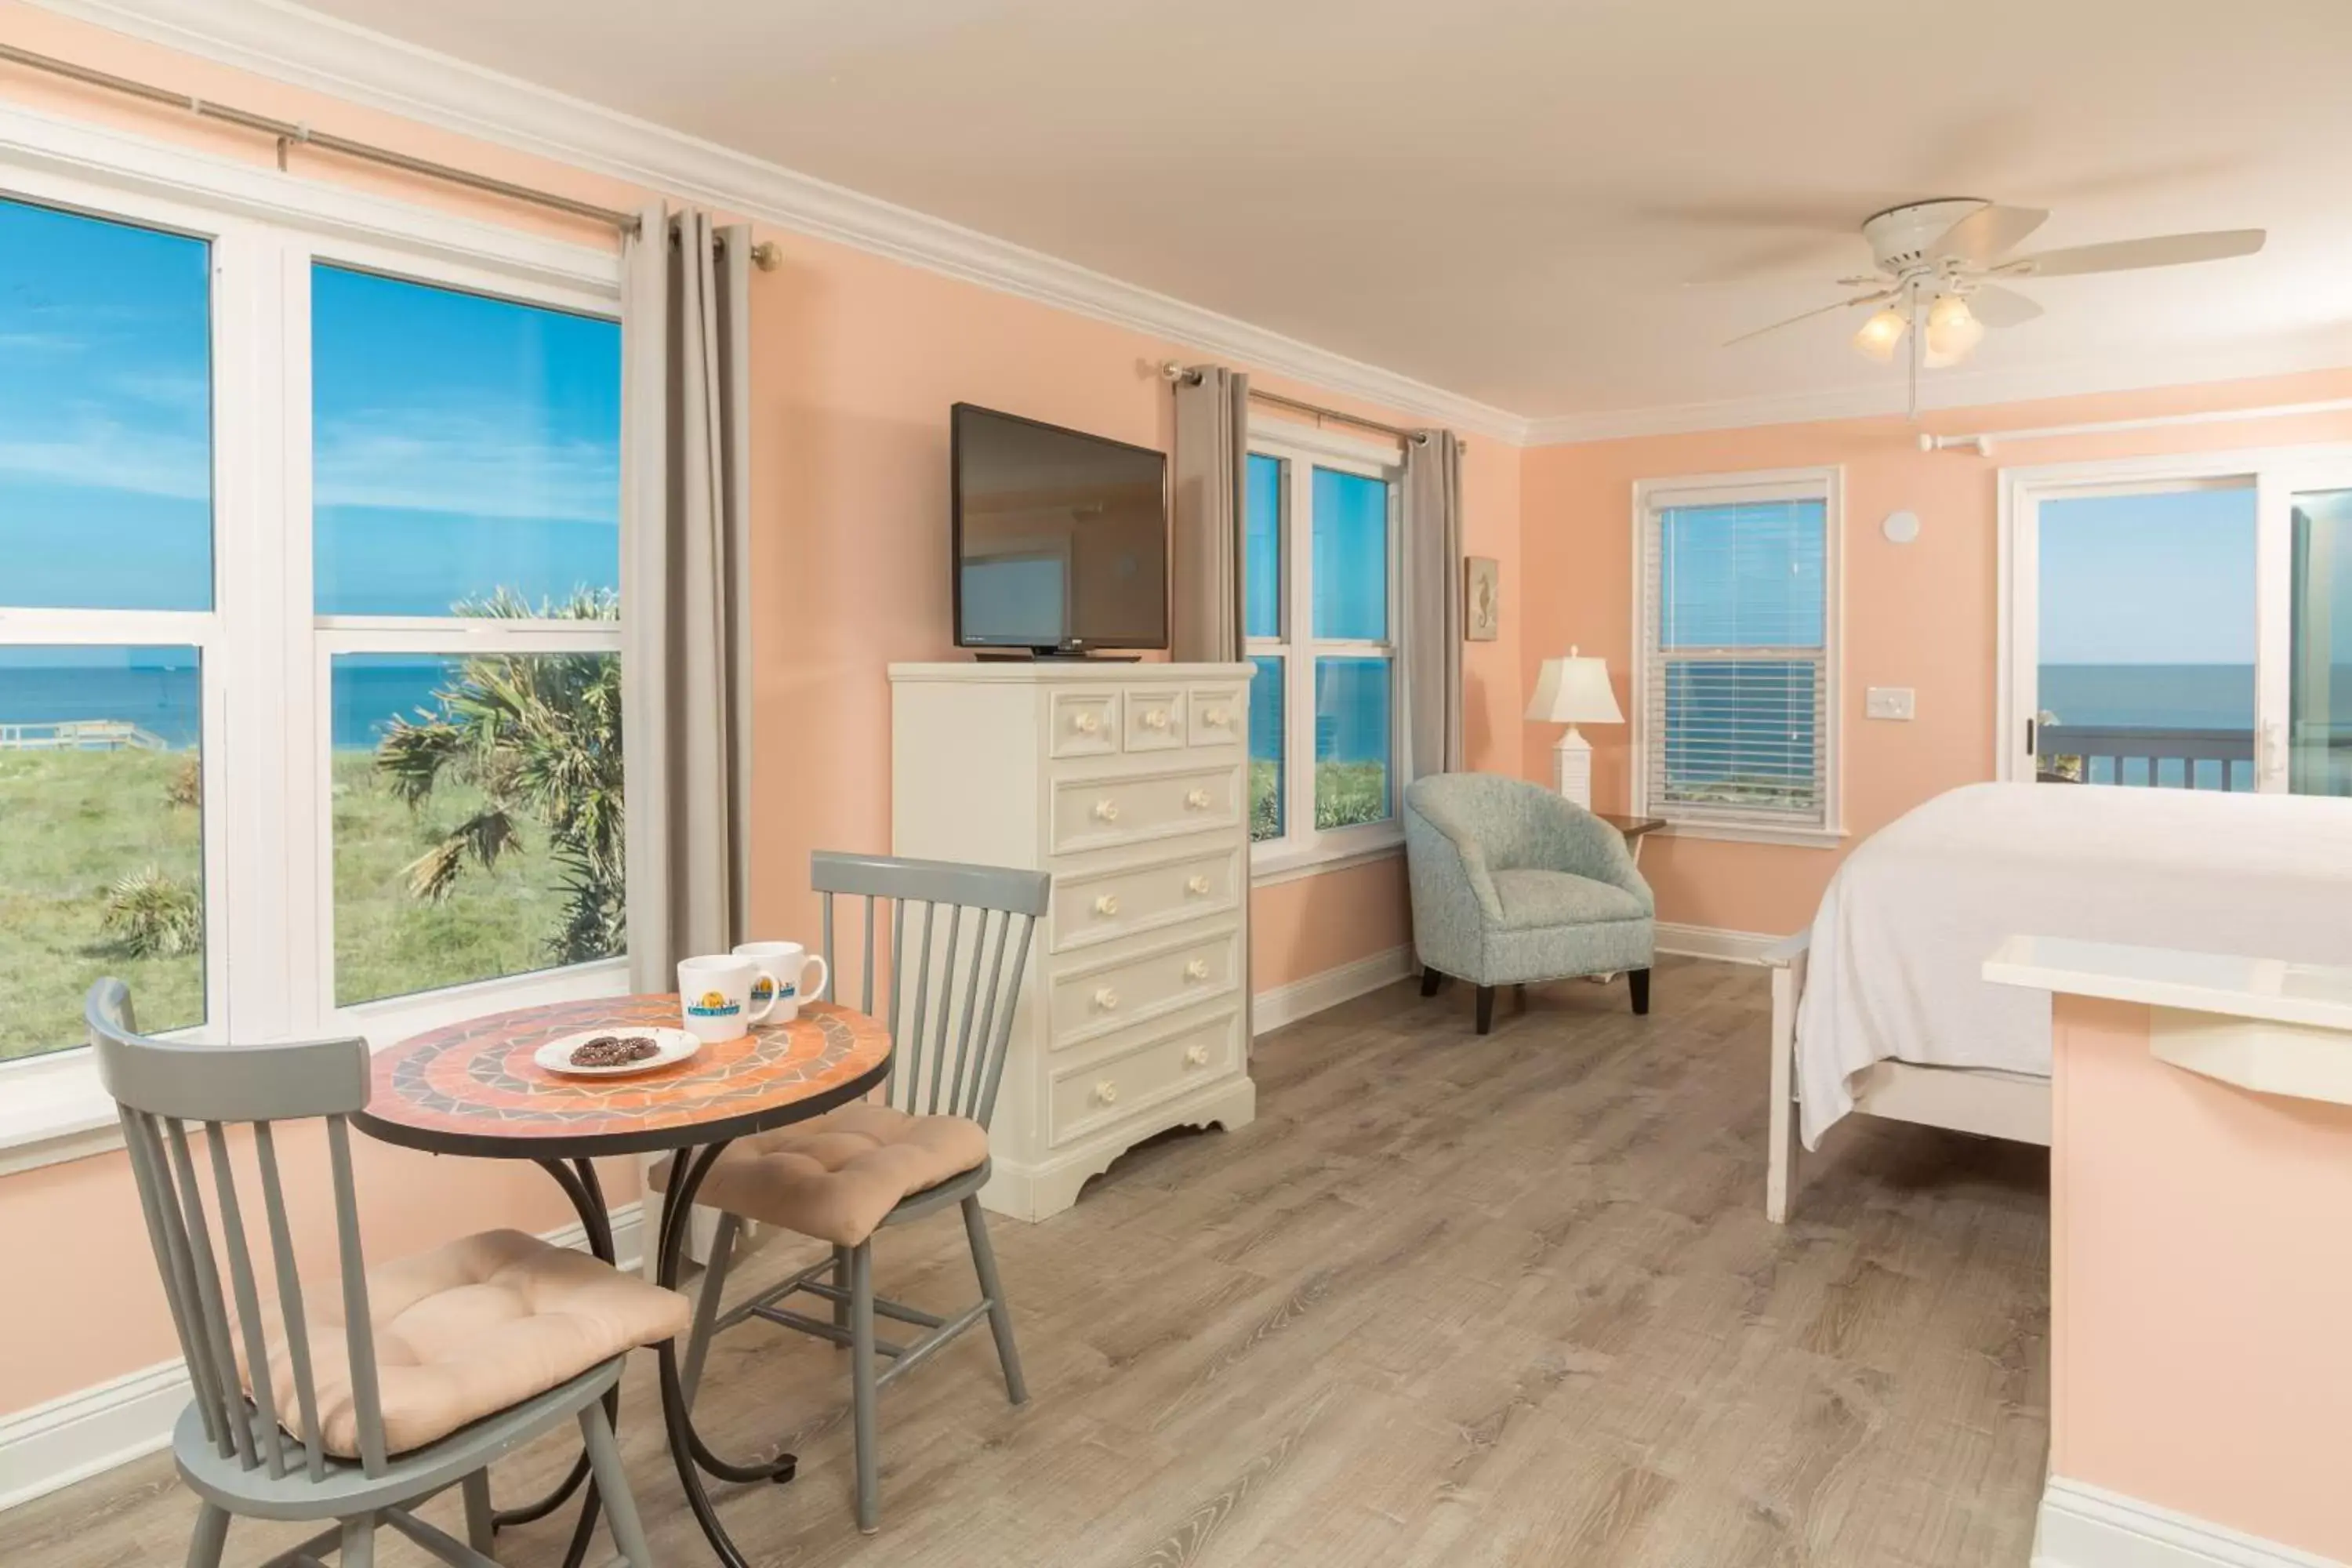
(1197, 800)
(1198, 885)
(1107, 904)
(1085, 724)
(1197, 970)
(1106, 1091)
(1107, 810)
(1196, 1055)
(1156, 719)
(1106, 999)
(1217, 718)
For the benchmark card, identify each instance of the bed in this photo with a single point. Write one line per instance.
(1880, 1006)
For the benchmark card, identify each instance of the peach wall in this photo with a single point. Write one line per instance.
(856, 360)
(1922, 615)
(2200, 1288)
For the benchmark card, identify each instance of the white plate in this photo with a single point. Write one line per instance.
(675, 1045)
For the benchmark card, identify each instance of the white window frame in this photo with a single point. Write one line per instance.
(1651, 497)
(263, 885)
(1303, 849)
(2275, 475)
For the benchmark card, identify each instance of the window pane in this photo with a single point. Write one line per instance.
(1743, 734)
(477, 817)
(102, 857)
(106, 462)
(1351, 741)
(1262, 546)
(1351, 556)
(1266, 750)
(2319, 699)
(461, 447)
(1744, 575)
(2144, 655)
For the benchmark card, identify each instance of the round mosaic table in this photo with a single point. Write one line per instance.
(472, 1088)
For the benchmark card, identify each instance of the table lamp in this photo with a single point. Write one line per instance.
(1572, 691)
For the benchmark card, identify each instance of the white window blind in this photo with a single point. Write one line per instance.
(1738, 682)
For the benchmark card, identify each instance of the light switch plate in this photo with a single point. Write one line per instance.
(1888, 702)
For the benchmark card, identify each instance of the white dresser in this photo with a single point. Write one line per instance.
(1130, 782)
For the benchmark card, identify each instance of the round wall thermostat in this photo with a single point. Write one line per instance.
(1900, 527)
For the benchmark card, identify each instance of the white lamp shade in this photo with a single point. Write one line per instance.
(1574, 690)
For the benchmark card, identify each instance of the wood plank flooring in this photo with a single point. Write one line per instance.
(1453, 1300)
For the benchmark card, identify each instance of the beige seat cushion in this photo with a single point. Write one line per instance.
(466, 1331)
(835, 1176)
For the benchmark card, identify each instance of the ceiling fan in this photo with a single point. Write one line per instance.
(1941, 267)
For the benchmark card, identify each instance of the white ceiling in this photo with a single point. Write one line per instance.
(1505, 198)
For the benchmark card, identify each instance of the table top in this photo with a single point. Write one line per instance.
(472, 1088)
(1632, 827)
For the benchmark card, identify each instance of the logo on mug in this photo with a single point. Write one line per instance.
(762, 991)
(713, 1005)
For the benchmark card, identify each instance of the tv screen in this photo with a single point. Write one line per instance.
(1061, 539)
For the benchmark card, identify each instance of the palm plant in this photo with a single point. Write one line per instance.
(540, 736)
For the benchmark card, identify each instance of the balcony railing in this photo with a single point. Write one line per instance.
(2134, 754)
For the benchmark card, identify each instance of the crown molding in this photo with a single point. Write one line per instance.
(2327, 350)
(306, 49)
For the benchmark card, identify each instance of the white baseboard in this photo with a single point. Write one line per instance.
(94, 1429)
(2083, 1526)
(1303, 998)
(1713, 942)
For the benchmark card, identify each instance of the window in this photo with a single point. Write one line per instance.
(308, 617)
(1318, 588)
(1735, 695)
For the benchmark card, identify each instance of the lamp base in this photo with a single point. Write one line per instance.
(1571, 768)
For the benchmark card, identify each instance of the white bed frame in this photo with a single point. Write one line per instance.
(1983, 1100)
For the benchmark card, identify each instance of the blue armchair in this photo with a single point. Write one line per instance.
(1512, 883)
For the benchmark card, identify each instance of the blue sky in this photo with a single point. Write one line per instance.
(2149, 579)
(458, 443)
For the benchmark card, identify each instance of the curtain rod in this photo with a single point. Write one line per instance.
(1176, 373)
(1982, 445)
(290, 132)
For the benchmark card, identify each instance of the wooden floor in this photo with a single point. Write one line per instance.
(1450, 1301)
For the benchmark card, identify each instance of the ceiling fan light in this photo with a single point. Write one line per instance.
(1953, 331)
(1879, 336)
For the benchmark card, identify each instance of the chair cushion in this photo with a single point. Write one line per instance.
(466, 1331)
(836, 1176)
(1531, 899)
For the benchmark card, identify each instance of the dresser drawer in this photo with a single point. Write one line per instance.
(1136, 987)
(1085, 724)
(1093, 1095)
(1155, 718)
(1217, 716)
(1097, 906)
(1097, 814)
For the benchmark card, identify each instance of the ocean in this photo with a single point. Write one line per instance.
(156, 689)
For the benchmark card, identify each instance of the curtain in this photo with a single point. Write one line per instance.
(1433, 608)
(686, 628)
(1211, 458)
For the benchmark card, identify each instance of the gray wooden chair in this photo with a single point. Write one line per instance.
(922, 1147)
(294, 1417)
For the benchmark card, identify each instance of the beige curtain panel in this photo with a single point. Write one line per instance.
(1211, 458)
(685, 622)
(1433, 608)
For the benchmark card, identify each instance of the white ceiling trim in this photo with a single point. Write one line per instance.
(305, 48)
(1944, 390)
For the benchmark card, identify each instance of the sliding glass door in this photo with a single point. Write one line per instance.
(2182, 627)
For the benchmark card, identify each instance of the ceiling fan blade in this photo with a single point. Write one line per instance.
(1985, 234)
(1998, 307)
(1842, 305)
(2125, 255)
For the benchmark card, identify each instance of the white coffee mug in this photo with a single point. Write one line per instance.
(718, 995)
(790, 960)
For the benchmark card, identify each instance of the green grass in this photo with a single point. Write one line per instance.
(77, 822)
(1346, 794)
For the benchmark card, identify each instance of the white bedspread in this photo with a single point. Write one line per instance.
(1908, 919)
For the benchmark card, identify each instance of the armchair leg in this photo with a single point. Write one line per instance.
(1487, 1008)
(1639, 980)
(1429, 980)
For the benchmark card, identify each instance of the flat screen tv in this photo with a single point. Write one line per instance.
(1061, 539)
